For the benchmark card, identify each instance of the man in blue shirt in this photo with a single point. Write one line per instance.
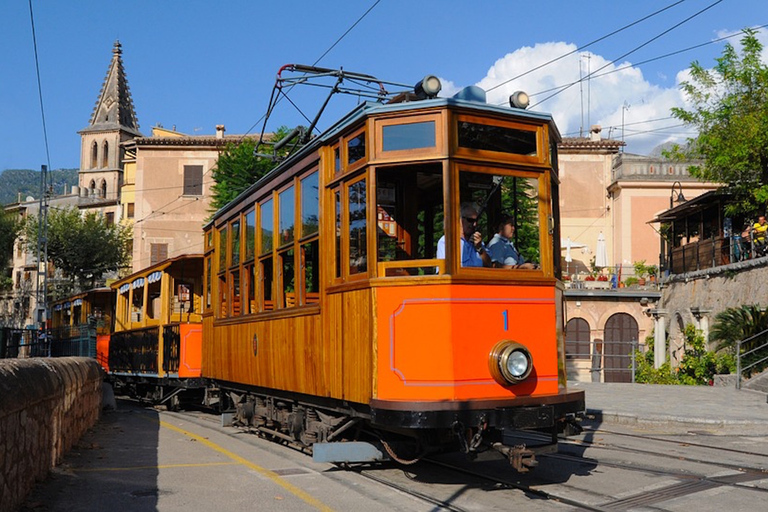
(473, 251)
(501, 249)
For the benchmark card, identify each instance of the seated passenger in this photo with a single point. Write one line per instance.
(502, 250)
(473, 252)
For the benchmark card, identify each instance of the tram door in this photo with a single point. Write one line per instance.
(620, 339)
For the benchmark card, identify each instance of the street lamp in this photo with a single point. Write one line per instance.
(676, 196)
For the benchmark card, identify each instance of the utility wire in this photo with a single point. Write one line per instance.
(670, 29)
(266, 114)
(585, 46)
(347, 32)
(39, 86)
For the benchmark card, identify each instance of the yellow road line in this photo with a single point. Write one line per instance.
(306, 497)
(165, 466)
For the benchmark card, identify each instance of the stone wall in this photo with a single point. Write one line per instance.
(45, 406)
(697, 297)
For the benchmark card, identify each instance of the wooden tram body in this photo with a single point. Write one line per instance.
(156, 346)
(81, 325)
(324, 292)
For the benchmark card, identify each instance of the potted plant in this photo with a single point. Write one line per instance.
(641, 270)
(653, 271)
(630, 281)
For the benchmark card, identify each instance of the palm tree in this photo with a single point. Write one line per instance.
(736, 324)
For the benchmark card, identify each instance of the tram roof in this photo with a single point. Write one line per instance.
(370, 108)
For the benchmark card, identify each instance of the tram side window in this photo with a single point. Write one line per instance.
(310, 254)
(235, 244)
(506, 208)
(138, 304)
(287, 221)
(236, 304)
(309, 270)
(250, 234)
(223, 312)
(337, 231)
(409, 210)
(154, 309)
(358, 253)
(208, 282)
(222, 248)
(265, 260)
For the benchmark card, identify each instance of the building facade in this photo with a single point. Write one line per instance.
(608, 197)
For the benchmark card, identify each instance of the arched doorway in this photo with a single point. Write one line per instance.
(577, 339)
(620, 339)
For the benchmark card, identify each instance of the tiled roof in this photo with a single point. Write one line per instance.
(189, 140)
(587, 143)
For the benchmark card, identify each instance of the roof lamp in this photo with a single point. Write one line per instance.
(519, 99)
(428, 87)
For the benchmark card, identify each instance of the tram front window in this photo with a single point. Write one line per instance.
(409, 210)
(498, 221)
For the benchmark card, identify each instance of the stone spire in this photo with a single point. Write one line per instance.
(114, 108)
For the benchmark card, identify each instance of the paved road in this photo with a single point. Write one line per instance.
(149, 460)
(139, 459)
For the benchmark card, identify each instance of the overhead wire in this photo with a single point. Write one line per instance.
(585, 46)
(271, 108)
(39, 85)
(646, 43)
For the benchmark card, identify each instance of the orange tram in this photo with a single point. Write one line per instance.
(145, 331)
(347, 297)
(342, 301)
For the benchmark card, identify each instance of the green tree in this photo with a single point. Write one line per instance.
(729, 108)
(237, 168)
(84, 247)
(9, 231)
(646, 372)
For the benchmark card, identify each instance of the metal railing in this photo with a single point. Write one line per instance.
(171, 348)
(616, 366)
(79, 341)
(134, 351)
(754, 358)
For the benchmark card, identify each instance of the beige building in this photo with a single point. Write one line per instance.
(171, 193)
(609, 195)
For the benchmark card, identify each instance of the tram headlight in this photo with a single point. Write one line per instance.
(510, 362)
(428, 87)
(519, 99)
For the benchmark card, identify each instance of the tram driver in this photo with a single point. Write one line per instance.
(473, 250)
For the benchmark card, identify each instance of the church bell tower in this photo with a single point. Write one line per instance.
(112, 122)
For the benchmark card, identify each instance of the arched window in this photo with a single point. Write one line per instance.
(94, 154)
(577, 339)
(621, 335)
(105, 155)
(103, 188)
(92, 188)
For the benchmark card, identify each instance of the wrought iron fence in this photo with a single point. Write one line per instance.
(751, 355)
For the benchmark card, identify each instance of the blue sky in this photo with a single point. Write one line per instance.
(195, 64)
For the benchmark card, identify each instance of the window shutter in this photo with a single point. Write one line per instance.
(157, 253)
(193, 180)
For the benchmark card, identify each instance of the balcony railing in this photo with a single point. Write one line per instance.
(134, 351)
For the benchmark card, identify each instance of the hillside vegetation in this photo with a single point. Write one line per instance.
(27, 183)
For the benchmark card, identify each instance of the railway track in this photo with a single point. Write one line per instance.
(683, 481)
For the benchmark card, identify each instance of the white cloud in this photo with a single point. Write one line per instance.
(600, 100)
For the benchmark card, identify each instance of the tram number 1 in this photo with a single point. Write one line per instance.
(505, 314)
